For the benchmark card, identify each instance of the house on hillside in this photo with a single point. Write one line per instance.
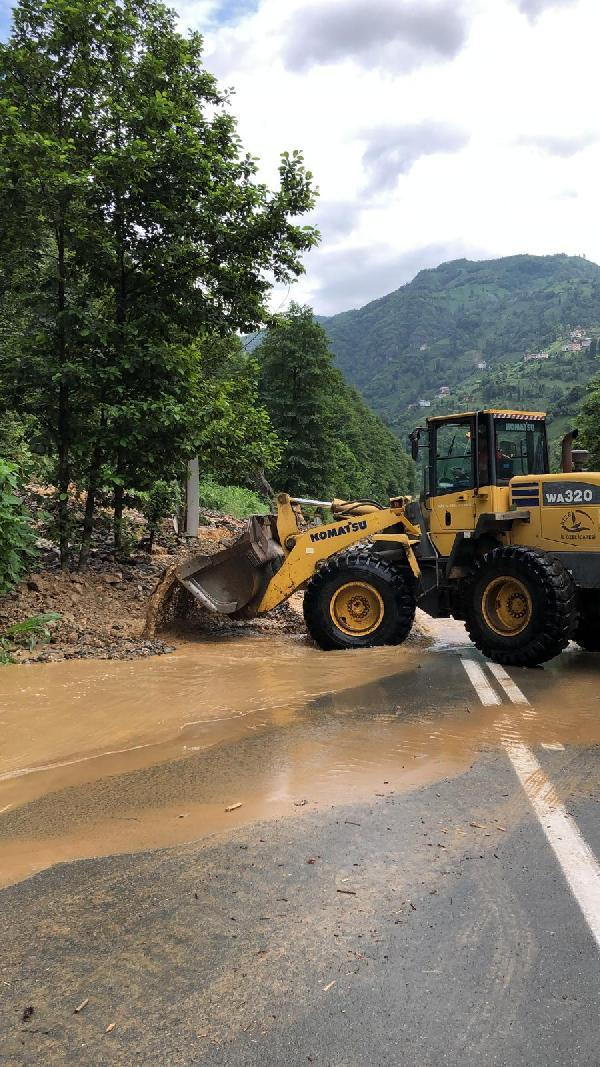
(482, 365)
(423, 348)
(444, 390)
(535, 355)
(572, 346)
(578, 333)
(424, 403)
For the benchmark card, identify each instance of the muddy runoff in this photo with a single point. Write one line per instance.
(99, 758)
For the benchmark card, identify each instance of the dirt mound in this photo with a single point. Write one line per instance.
(104, 610)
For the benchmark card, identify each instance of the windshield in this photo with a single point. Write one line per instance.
(520, 448)
(453, 457)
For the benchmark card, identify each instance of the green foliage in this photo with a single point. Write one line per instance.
(297, 377)
(236, 436)
(332, 442)
(161, 500)
(435, 330)
(27, 634)
(370, 460)
(15, 433)
(17, 539)
(232, 500)
(589, 423)
(132, 224)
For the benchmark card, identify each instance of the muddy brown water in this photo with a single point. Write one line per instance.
(101, 757)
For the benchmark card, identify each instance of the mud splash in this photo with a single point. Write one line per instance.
(98, 758)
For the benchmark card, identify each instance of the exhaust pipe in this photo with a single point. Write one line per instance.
(566, 453)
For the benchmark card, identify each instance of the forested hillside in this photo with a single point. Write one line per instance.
(440, 329)
(332, 443)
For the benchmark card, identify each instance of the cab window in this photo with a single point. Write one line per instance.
(520, 448)
(453, 457)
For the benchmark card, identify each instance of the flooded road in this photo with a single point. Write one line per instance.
(99, 757)
(407, 873)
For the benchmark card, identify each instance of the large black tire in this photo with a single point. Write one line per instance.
(521, 606)
(587, 632)
(379, 600)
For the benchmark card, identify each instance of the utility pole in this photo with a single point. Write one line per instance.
(192, 499)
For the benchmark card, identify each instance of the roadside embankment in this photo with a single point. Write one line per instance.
(103, 610)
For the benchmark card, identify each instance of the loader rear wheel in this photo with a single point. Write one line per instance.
(521, 606)
(587, 633)
(357, 601)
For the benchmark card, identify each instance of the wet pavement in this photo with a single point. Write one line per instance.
(384, 843)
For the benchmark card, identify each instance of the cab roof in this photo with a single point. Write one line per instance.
(499, 413)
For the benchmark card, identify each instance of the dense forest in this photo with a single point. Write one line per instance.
(332, 442)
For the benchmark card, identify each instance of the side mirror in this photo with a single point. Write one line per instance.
(414, 442)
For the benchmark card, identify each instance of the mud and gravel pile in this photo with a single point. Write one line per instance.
(104, 609)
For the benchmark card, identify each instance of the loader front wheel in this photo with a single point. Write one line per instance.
(521, 606)
(357, 601)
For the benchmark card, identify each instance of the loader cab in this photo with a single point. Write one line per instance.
(471, 459)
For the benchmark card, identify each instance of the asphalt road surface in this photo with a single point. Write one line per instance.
(449, 915)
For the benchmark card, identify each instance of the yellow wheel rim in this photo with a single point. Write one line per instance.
(507, 606)
(356, 609)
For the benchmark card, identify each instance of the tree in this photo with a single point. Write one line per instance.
(162, 499)
(332, 442)
(369, 459)
(592, 350)
(132, 224)
(17, 539)
(297, 379)
(236, 438)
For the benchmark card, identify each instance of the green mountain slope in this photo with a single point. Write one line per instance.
(436, 330)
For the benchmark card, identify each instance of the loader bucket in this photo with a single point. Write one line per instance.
(233, 581)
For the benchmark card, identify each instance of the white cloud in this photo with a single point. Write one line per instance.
(534, 8)
(564, 145)
(510, 101)
(400, 34)
(393, 150)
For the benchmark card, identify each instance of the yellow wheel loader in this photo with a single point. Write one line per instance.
(494, 539)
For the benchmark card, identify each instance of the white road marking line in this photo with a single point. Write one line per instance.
(510, 688)
(575, 857)
(578, 863)
(482, 687)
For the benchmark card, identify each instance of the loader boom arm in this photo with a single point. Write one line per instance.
(305, 549)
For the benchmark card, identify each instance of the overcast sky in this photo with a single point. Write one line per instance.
(435, 128)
